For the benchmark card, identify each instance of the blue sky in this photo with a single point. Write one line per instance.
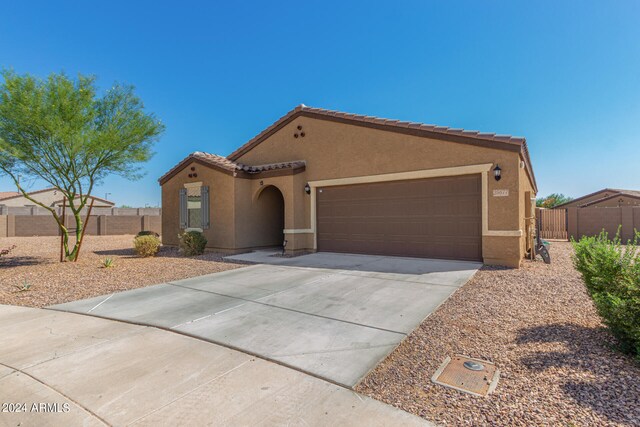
(564, 74)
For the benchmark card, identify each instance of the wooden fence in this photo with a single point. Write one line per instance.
(553, 223)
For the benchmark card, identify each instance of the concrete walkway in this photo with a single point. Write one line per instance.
(329, 315)
(81, 370)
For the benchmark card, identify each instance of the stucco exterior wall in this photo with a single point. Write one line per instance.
(617, 201)
(49, 197)
(338, 150)
(335, 150)
(527, 210)
(221, 234)
(580, 202)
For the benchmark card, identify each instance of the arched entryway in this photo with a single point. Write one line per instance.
(270, 218)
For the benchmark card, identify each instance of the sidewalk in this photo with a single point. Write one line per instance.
(82, 370)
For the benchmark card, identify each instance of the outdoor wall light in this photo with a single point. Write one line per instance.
(497, 172)
(307, 189)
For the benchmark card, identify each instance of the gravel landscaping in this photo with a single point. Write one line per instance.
(34, 261)
(540, 327)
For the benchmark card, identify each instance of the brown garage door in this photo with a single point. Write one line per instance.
(431, 218)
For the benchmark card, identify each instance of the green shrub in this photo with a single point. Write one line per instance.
(146, 245)
(107, 262)
(611, 273)
(147, 233)
(26, 286)
(192, 243)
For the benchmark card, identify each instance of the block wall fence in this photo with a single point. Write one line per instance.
(98, 225)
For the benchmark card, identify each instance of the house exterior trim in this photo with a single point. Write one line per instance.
(481, 169)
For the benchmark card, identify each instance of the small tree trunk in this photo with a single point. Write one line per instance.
(71, 255)
(84, 229)
(62, 231)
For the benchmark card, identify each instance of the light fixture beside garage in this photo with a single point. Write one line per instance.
(307, 188)
(497, 172)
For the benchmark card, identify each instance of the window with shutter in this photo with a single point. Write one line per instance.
(205, 207)
(194, 207)
(183, 208)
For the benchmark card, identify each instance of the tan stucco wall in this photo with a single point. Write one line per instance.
(336, 150)
(527, 210)
(47, 198)
(596, 196)
(250, 210)
(221, 234)
(615, 202)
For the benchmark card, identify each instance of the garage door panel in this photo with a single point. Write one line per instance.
(434, 218)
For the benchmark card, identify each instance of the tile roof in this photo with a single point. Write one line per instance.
(227, 164)
(615, 192)
(7, 194)
(635, 193)
(215, 160)
(631, 194)
(231, 166)
(14, 194)
(471, 136)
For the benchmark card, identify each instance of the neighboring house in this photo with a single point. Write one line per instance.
(336, 182)
(47, 196)
(605, 198)
(5, 194)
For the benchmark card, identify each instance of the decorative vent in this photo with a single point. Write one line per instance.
(300, 133)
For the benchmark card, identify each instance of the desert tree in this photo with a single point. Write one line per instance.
(62, 131)
(552, 200)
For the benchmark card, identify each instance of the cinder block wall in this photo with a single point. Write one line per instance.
(591, 221)
(100, 225)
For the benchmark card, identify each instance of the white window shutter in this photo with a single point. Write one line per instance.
(183, 208)
(205, 207)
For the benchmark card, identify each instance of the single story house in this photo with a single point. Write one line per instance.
(323, 180)
(48, 196)
(605, 198)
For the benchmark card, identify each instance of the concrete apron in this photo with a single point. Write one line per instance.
(77, 370)
(333, 323)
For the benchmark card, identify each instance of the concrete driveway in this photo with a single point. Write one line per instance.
(333, 316)
(64, 369)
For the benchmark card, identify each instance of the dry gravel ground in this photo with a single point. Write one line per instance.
(536, 323)
(35, 260)
(541, 329)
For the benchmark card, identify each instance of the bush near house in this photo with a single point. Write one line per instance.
(611, 272)
(146, 245)
(192, 243)
(147, 233)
